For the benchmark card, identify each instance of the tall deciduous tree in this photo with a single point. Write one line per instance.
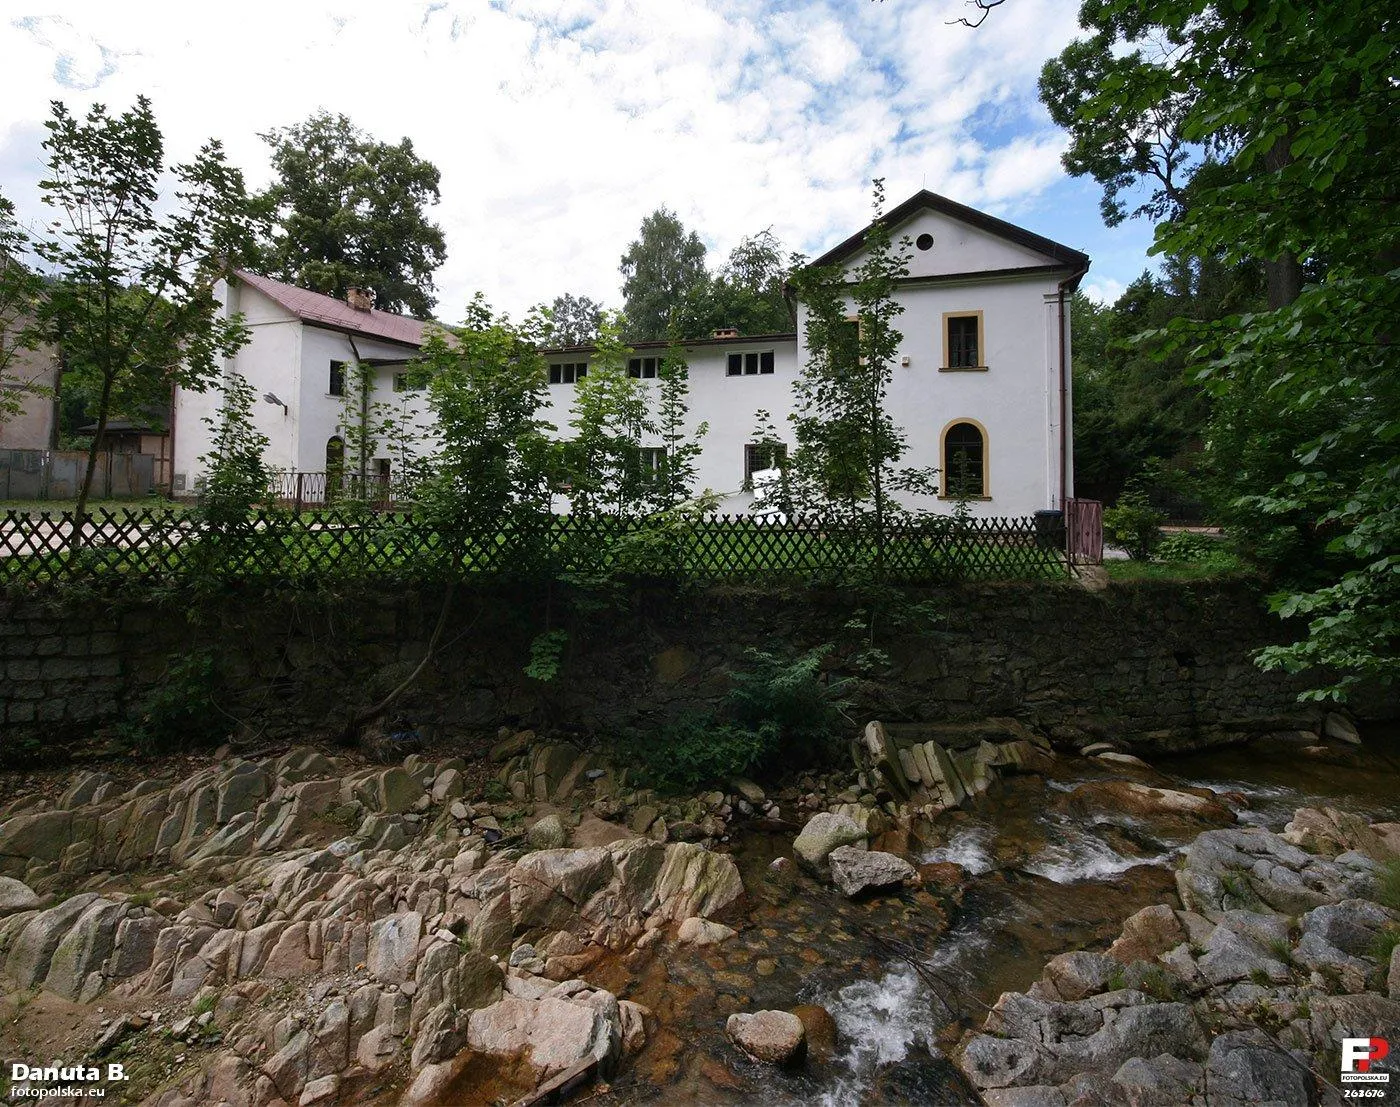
(660, 269)
(571, 321)
(1298, 103)
(352, 212)
(673, 483)
(611, 416)
(848, 444)
(132, 299)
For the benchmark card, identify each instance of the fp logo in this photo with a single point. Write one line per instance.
(1358, 1055)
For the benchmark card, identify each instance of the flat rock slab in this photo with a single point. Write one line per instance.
(856, 871)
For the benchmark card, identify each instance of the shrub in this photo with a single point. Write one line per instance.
(1133, 525)
(778, 714)
(179, 711)
(1196, 549)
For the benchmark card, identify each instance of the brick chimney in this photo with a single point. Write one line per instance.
(361, 299)
(726, 332)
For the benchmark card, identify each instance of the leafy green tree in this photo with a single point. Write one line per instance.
(131, 300)
(747, 294)
(20, 289)
(236, 477)
(673, 483)
(664, 265)
(351, 212)
(611, 416)
(490, 479)
(571, 321)
(848, 444)
(1297, 104)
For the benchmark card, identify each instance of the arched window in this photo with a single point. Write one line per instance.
(964, 460)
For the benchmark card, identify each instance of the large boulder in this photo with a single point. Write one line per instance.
(1128, 797)
(695, 881)
(696, 931)
(823, 833)
(551, 1033)
(83, 950)
(33, 948)
(15, 895)
(548, 888)
(393, 946)
(1246, 1069)
(855, 871)
(773, 1037)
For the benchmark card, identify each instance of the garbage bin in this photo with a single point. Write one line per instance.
(1050, 530)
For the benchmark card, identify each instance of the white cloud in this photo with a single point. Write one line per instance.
(1103, 290)
(558, 124)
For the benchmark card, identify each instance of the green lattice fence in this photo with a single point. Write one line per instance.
(168, 546)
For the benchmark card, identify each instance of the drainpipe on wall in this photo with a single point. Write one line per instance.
(1072, 279)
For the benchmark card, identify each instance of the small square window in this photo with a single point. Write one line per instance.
(556, 374)
(736, 365)
(567, 372)
(336, 386)
(653, 458)
(765, 361)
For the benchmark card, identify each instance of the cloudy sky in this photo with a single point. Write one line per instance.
(558, 124)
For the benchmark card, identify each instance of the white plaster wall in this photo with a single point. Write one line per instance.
(1015, 399)
(270, 361)
(958, 248)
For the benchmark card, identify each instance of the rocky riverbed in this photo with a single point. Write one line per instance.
(308, 929)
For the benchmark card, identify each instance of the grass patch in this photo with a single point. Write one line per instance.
(1173, 570)
(1388, 892)
(1384, 946)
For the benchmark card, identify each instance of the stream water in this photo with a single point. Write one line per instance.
(903, 976)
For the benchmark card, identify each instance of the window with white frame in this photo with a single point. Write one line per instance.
(644, 368)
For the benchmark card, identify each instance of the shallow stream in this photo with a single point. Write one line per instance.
(903, 976)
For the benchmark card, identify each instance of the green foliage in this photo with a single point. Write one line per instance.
(179, 712)
(788, 693)
(1383, 949)
(611, 416)
(489, 489)
(660, 269)
(236, 477)
(746, 294)
(1185, 548)
(132, 296)
(547, 654)
(571, 321)
(848, 445)
(673, 483)
(779, 716)
(1388, 892)
(1133, 524)
(351, 212)
(1280, 116)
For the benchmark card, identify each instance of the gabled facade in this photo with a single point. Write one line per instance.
(980, 383)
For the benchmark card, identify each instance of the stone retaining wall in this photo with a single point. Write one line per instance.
(1160, 666)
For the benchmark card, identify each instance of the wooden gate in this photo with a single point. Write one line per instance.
(1084, 531)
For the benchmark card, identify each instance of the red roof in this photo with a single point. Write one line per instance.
(327, 311)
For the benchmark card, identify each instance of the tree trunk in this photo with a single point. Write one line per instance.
(75, 541)
(1283, 275)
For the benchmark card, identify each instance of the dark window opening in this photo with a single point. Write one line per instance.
(337, 379)
(567, 372)
(962, 342)
(643, 368)
(963, 460)
(762, 455)
(750, 364)
(652, 458)
(924, 242)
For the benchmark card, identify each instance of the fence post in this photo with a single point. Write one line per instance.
(300, 478)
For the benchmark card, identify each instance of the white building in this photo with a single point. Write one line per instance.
(981, 383)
